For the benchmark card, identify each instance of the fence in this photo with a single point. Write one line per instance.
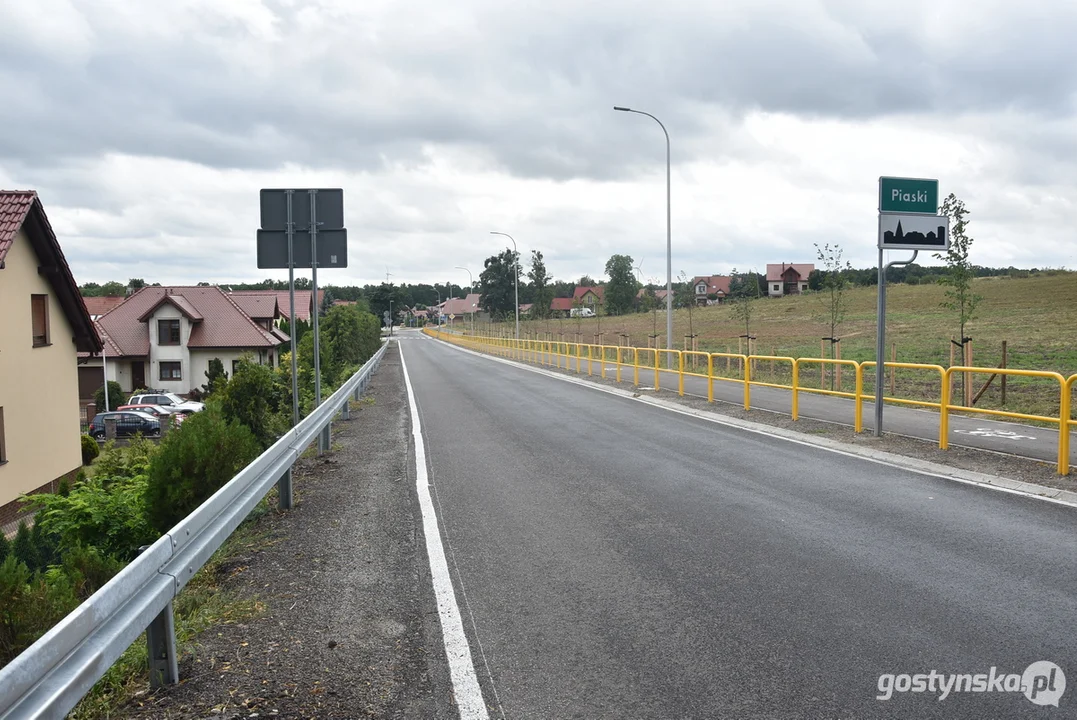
(52, 675)
(650, 360)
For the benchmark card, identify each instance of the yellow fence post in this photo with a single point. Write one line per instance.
(858, 411)
(680, 372)
(1064, 427)
(747, 383)
(635, 366)
(618, 363)
(796, 388)
(589, 360)
(944, 411)
(710, 377)
(657, 382)
(602, 350)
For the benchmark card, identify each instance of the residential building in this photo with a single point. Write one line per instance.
(44, 328)
(706, 286)
(98, 306)
(464, 309)
(303, 301)
(589, 297)
(562, 306)
(788, 278)
(165, 337)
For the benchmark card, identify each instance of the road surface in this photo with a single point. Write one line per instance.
(616, 560)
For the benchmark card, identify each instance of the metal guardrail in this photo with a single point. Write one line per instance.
(49, 678)
(650, 359)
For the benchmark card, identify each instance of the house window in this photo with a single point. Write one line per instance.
(168, 332)
(3, 445)
(777, 287)
(39, 308)
(235, 366)
(170, 371)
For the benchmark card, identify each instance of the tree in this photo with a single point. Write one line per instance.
(254, 399)
(686, 298)
(743, 292)
(113, 289)
(586, 281)
(832, 285)
(216, 377)
(621, 288)
(341, 331)
(497, 283)
(541, 292)
(136, 283)
(959, 271)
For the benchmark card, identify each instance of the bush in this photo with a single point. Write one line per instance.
(90, 450)
(107, 513)
(193, 463)
(254, 399)
(124, 462)
(115, 396)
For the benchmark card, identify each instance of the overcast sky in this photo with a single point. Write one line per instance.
(149, 127)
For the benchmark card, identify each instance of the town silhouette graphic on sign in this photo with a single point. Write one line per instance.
(915, 238)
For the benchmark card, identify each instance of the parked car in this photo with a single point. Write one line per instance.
(581, 312)
(128, 423)
(166, 400)
(159, 411)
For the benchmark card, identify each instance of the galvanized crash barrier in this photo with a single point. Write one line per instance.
(49, 678)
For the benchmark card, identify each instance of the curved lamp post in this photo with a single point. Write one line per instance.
(470, 289)
(517, 273)
(669, 232)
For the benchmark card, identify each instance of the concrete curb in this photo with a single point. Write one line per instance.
(926, 467)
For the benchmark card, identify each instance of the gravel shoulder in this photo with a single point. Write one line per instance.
(350, 626)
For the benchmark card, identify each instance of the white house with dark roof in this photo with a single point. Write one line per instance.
(165, 337)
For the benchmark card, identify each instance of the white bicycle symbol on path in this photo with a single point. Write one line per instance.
(992, 433)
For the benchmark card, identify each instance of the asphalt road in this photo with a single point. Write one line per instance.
(1040, 443)
(621, 561)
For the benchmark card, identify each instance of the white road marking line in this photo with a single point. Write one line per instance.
(461, 667)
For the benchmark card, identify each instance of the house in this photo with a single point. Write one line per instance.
(468, 308)
(561, 307)
(589, 297)
(303, 301)
(165, 337)
(705, 286)
(658, 294)
(44, 328)
(98, 306)
(788, 278)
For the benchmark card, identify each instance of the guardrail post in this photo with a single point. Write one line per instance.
(710, 377)
(323, 438)
(680, 371)
(285, 501)
(161, 648)
(747, 382)
(796, 387)
(346, 410)
(944, 411)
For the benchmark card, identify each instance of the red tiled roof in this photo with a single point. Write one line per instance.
(259, 307)
(177, 301)
(302, 300)
(22, 210)
(14, 206)
(100, 305)
(775, 271)
(561, 304)
(461, 306)
(581, 290)
(223, 324)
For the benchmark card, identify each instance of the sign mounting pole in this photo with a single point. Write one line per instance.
(914, 202)
(291, 308)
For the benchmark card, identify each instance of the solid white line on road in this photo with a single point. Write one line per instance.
(461, 667)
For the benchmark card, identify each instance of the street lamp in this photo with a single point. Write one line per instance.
(669, 231)
(439, 305)
(517, 267)
(390, 318)
(470, 289)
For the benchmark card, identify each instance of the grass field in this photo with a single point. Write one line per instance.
(1037, 317)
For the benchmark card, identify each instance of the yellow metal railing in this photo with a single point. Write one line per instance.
(692, 363)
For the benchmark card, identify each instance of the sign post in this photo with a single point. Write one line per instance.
(907, 221)
(283, 223)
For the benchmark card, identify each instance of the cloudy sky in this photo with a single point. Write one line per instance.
(149, 127)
